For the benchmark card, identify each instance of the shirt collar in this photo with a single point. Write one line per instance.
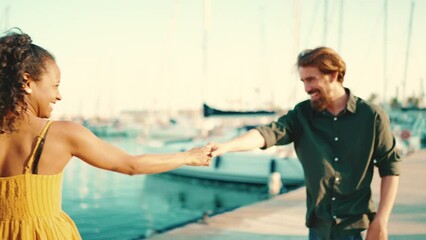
(351, 104)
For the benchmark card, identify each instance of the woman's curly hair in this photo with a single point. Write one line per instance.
(17, 56)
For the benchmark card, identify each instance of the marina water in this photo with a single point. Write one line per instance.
(109, 205)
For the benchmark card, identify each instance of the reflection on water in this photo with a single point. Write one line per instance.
(108, 205)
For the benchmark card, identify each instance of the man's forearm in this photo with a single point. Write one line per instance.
(247, 141)
(388, 191)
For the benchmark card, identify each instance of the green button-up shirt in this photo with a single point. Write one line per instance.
(338, 155)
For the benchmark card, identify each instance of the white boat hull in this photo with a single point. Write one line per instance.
(249, 168)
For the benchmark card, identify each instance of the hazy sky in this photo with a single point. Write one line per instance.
(159, 54)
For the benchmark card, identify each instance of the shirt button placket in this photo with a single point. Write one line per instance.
(335, 138)
(333, 199)
(336, 159)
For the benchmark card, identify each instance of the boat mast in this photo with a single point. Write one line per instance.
(206, 27)
(342, 2)
(297, 43)
(297, 14)
(385, 50)
(407, 53)
(6, 18)
(422, 91)
(260, 88)
(325, 24)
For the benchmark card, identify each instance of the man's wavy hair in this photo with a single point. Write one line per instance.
(18, 55)
(325, 59)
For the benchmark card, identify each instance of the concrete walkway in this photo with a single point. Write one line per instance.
(282, 217)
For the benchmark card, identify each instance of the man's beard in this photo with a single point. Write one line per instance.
(321, 103)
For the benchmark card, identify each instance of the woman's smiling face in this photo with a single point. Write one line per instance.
(45, 91)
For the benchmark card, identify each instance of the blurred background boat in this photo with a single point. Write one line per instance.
(111, 128)
(409, 129)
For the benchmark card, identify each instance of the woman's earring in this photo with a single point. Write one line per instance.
(28, 90)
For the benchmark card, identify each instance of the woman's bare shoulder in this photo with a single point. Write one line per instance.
(69, 128)
(66, 125)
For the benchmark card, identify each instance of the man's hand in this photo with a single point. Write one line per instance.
(217, 149)
(377, 230)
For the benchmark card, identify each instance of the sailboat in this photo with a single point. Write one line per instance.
(253, 167)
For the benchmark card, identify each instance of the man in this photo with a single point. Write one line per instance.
(338, 138)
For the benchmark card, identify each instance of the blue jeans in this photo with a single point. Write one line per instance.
(314, 236)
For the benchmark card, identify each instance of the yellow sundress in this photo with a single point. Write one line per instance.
(31, 204)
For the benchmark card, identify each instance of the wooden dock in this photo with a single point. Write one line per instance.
(283, 217)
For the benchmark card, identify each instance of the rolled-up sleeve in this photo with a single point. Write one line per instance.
(278, 132)
(385, 152)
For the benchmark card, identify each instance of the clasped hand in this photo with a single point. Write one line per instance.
(202, 156)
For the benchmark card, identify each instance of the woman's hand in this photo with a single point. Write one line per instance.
(199, 156)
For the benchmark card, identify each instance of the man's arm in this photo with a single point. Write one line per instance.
(250, 140)
(388, 191)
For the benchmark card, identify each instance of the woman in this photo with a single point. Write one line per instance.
(34, 151)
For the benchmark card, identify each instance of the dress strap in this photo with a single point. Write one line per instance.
(35, 155)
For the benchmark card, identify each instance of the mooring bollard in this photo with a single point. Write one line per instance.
(275, 184)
